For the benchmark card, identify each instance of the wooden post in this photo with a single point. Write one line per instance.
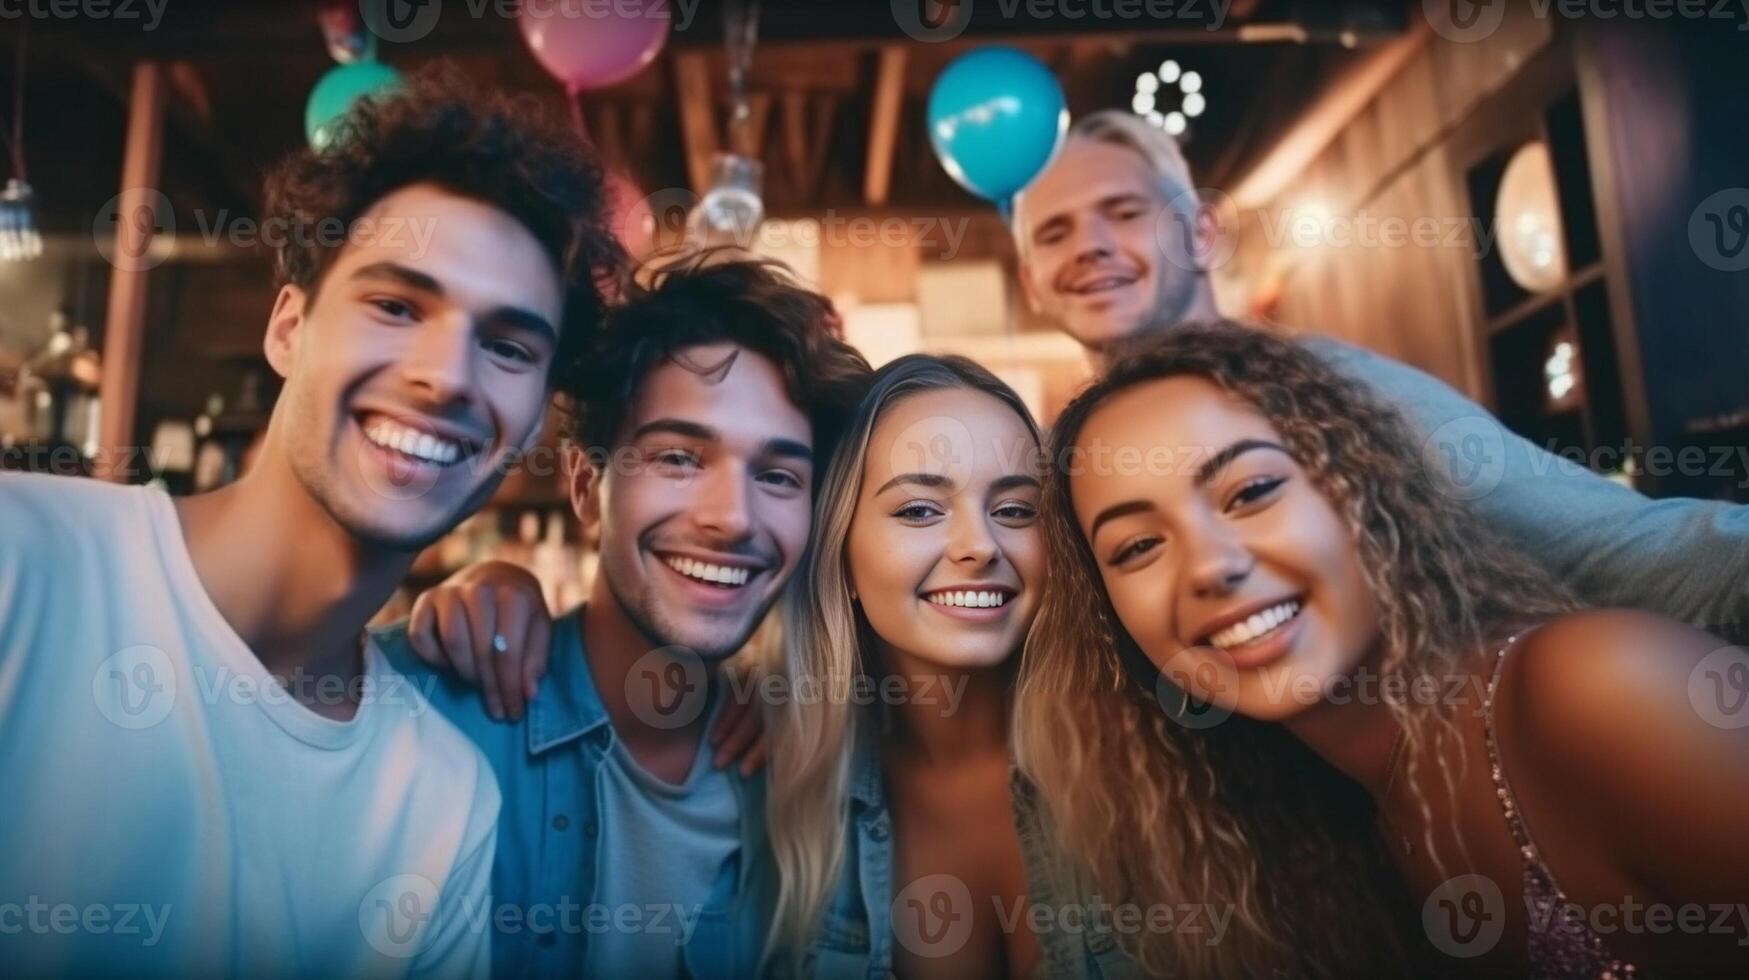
(125, 324)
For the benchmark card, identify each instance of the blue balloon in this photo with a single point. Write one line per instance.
(996, 116)
(334, 95)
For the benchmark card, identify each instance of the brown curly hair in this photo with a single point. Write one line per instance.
(715, 296)
(441, 127)
(1243, 815)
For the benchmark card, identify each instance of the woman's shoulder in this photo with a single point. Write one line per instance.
(1607, 709)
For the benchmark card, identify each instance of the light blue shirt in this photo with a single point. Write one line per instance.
(547, 880)
(663, 846)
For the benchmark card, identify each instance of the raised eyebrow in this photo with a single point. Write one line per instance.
(934, 481)
(519, 318)
(1219, 461)
(1121, 200)
(678, 427)
(1052, 223)
(790, 449)
(399, 273)
(1114, 512)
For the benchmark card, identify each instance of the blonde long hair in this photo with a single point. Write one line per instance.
(1242, 815)
(827, 643)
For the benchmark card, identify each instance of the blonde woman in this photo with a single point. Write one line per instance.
(1279, 669)
(904, 843)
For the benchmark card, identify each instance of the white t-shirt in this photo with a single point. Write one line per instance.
(166, 808)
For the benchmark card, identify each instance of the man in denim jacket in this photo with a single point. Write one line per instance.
(695, 432)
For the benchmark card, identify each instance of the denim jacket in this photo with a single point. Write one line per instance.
(543, 881)
(856, 939)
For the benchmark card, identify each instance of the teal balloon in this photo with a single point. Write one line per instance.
(996, 116)
(338, 90)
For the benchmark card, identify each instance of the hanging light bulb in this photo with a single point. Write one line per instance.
(19, 239)
(732, 208)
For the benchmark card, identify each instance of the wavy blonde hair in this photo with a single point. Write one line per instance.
(1243, 815)
(827, 642)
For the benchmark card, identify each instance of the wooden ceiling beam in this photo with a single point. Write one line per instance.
(883, 124)
(698, 125)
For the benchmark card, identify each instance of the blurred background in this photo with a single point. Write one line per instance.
(1544, 204)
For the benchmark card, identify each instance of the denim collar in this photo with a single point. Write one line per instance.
(567, 706)
(866, 788)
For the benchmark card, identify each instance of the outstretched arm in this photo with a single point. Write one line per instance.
(1688, 559)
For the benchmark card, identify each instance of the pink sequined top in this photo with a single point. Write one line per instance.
(1566, 948)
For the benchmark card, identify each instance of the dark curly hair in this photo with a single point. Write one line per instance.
(1242, 814)
(502, 150)
(714, 296)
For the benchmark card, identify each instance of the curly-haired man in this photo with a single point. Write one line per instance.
(211, 770)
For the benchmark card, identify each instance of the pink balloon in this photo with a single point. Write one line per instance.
(633, 223)
(588, 44)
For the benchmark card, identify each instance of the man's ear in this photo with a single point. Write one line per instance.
(284, 329)
(583, 481)
(1207, 230)
(1027, 289)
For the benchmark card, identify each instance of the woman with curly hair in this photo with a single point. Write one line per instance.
(1279, 668)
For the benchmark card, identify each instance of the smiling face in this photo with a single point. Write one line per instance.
(1232, 571)
(419, 366)
(943, 551)
(705, 508)
(1091, 258)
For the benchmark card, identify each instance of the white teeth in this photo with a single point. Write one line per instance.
(412, 442)
(1255, 625)
(707, 572)
(969, 600)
